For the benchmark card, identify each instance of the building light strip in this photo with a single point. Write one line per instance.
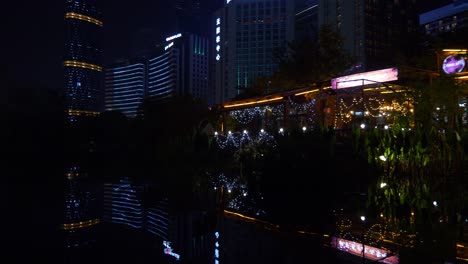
(462, 77)
(74, 112)
(306, 92)
(84, 18)
(455, 50)
(255, 102)
(83, 65)
(82, 224)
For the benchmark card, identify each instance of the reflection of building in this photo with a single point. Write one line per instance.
(123, 203)
(125, 85)
(81, 209)
(83, 58)
(246, 34)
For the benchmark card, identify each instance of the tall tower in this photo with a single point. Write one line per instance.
(372, 31)
(83, 58)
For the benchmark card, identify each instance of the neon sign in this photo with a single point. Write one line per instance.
(453, 64)
(216, 253)
(218, 38)
(371, 77)
(174, 37)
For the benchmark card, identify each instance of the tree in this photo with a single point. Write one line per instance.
(311, 61)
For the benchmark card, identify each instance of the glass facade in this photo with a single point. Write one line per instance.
(83, 57)
(124, 88)
(164, 74)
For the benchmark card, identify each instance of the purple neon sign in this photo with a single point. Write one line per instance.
(453, 64)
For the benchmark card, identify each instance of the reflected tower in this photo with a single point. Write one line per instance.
(83, 58)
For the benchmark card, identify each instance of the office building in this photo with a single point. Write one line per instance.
(246, 33)
(306, 20)
(83, 58)
(448, 18)
(180, 68)
(125, 84)
(373, 31)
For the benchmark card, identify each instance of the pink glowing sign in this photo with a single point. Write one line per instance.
(372, 253)
(364, 78)
(453, 64)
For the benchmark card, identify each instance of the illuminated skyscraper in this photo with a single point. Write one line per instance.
(83, 58)
(125, 87)
(246, 33)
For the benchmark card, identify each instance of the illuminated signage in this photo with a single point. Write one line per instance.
(372, 253)
(453, 64)
(168, 250)
(216, 253)
(174, 37)
(371, 77)
(169, 45)
(218, 38)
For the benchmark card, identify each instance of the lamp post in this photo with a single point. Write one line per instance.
(363, 220)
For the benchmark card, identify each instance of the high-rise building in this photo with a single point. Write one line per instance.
(125, 84)
(306, 22)
(447, 18)
(372, 31)
(83, 58)
(180, 68)
(246, 34)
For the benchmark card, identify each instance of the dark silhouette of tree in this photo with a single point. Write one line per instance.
(311, 61)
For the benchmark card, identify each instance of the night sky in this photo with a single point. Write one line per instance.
(35, 36)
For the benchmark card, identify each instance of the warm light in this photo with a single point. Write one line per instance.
(84, 65)
(381, 215)
(382, 158)
(306, 92)
(304, 128)
(84, 18)
(254, 102)
(454, 50)
(383, 184)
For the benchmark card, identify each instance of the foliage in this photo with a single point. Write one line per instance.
(311, 61)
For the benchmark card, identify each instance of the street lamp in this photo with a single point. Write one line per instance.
(363, 220)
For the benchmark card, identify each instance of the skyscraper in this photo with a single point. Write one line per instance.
(372, 31)
(83, 58)
(246, 33)
(125, 85)
(180, 68)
